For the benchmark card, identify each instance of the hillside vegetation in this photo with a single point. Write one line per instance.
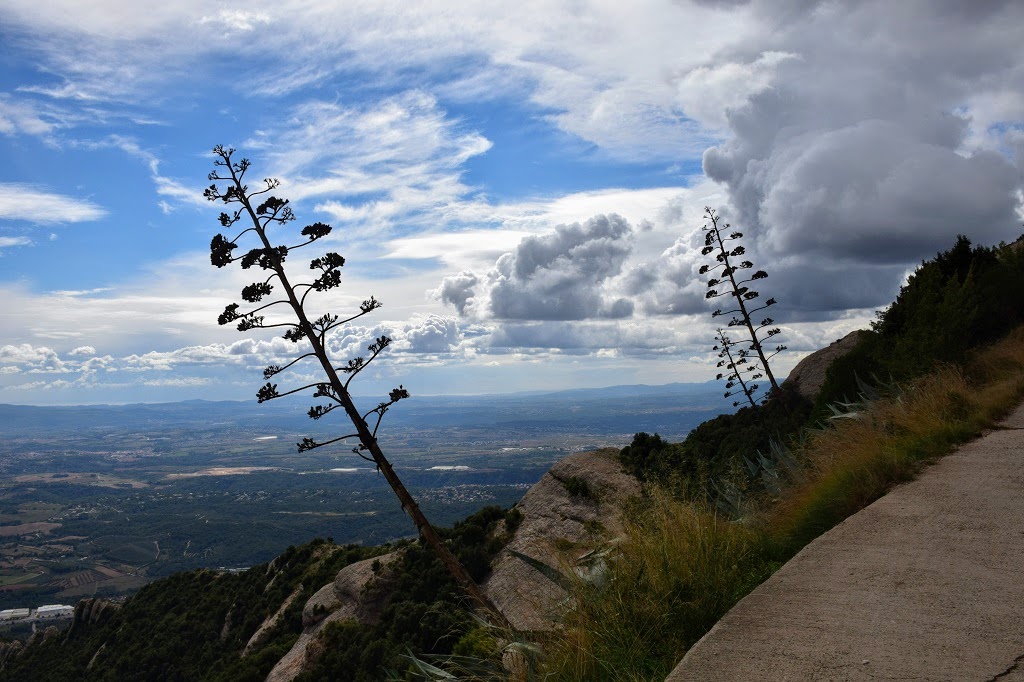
(744, 492)
(195, 625)
(721, 511)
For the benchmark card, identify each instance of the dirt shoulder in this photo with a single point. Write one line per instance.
(927, 583)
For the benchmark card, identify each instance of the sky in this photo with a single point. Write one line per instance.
(521, 184)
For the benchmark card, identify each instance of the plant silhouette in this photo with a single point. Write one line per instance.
(744, 364)
(260, 212)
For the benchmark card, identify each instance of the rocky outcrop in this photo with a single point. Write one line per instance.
(574, 509)
(267, 625)
(357, 593)
(9, 651)
(92, 611)
(809, 373)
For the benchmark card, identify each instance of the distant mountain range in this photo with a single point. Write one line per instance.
(675, 407)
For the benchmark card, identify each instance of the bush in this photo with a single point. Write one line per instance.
(717, 447)
(578, 487)
(962, 299)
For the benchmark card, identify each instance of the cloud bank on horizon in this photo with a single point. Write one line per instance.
(521, 185)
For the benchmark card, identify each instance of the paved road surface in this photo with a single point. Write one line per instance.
(925, 584)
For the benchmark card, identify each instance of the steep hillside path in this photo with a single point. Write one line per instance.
(927, 583)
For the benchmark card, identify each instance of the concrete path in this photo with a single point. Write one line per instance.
(925, 584)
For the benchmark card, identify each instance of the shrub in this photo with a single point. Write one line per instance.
(578, 487)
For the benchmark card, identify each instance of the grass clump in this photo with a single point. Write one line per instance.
(857, 459)
(679, 568)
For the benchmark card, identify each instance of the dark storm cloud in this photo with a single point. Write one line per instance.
(561, 275)
(893, 127)
(583, 337)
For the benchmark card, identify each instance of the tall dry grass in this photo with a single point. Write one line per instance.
(682, 567)
(854, 461)
(678, 570)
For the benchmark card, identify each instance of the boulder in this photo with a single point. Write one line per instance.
(575, 509)
(809, 373)
(268, 624)
(357, 593)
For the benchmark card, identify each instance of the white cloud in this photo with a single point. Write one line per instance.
(593, 337)
(472, 248)
(83, 350)
(32, 359)
(28, 203)
(605, 73)
(7, 242)
(21, 116)
(843, 135)
(81, 292)
(709, 91)
(399, 160)
(178, 382)
(434, 334)
(236, 20)
(843, 182)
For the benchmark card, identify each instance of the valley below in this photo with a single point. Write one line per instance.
(100, 500)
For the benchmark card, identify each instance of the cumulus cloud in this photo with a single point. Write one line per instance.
(242, 352)
(434, 334)
(669, 284)
(98, 364)
(32, 359)
(853, 139)
(560, 275)
(459, 291)
(83, 350)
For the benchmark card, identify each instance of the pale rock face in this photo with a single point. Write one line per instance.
(809, 373)
(269, 623)
(557, 529)
(357, 593)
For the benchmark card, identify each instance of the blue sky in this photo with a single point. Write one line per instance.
(522, 186)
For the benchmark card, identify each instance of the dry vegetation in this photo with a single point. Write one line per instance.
(682, 566)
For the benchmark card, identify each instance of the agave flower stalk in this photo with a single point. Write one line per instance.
(728, 275)
(259, 212)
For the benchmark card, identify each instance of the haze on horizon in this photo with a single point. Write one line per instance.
(522, 186)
